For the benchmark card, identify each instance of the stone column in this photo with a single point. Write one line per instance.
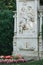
(15, 33)
(15, 23)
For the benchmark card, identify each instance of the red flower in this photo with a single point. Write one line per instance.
(9, 61)
(8, 57)
(15, 61)
(0, 61)
(21, 60)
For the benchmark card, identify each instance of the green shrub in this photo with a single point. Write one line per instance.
(6, 32)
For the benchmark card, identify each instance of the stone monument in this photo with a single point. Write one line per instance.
(26, 31)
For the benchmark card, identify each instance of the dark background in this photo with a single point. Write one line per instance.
(41, 2)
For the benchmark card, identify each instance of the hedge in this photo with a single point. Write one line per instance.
(6, 32)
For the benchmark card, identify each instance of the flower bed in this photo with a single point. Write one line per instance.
(12, 59)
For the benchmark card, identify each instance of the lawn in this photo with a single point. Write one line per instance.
(40, 62)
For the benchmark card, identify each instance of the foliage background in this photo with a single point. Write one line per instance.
(6, 32)
(8, 4)
(6, 26)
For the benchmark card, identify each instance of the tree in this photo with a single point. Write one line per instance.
(8, 4)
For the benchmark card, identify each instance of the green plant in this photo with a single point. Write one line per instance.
(6, 32)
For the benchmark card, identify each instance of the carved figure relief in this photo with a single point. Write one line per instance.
(27, 18)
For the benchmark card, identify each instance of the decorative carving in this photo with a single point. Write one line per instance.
(14, 43)
(23, 27)
(26, 45)
(27, 15)
(26, 49)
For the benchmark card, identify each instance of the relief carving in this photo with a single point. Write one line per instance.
(27, 18)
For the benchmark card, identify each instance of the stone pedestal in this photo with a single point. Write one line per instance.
(25, 40)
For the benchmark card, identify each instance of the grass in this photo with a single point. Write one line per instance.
(40, 62)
